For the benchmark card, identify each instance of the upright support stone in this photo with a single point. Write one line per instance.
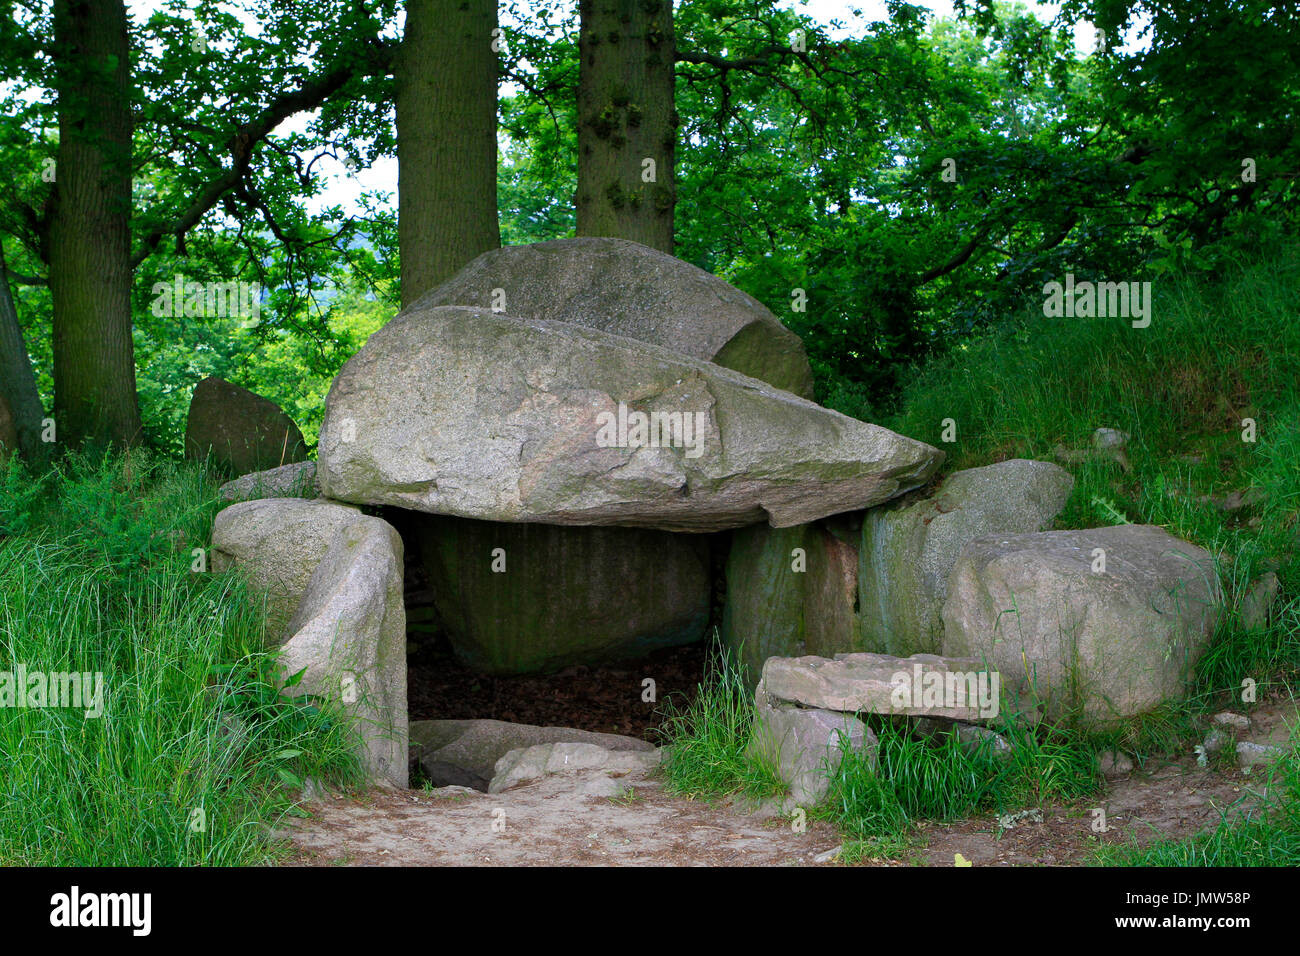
(806, 746)
(332, 581)
(790, 592)
(909, 548)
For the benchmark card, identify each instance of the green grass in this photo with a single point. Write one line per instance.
(707, 737)
(1267, 835)
(1215, 353)
(875, 806)
(196, 752)
(914, 778)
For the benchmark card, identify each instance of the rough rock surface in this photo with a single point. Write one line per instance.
(348, 637)
(332, 581)
(1078, 640)
(908, 550)
(278, 542)
(464, 753)
(790, 592)
(238, 430)
(1259, 600)
(920, 685)
(624, 287)
(297, 480)
(465, 412)
(804, 745)
(533, 763)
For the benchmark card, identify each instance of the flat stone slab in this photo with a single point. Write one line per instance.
(468, 412)
(533, 763)
(465, 752)
(923, 685)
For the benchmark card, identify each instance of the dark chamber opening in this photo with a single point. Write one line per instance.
(602, 697)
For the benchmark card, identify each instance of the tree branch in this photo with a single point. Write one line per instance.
(376, 56)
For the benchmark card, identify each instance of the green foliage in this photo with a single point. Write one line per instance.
(706, 738)
(1216, 353)
(200, 73)
(826, 172)
(195, 750)
(294, 371)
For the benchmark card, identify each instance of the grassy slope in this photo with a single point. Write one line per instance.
(1215, 354)
(195, 750)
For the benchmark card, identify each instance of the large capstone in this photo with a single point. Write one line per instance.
(623, 287)
(467, 412)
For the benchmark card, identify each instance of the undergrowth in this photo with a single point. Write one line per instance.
(196, 753)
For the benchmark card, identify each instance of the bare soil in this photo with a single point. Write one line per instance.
(565, 820)
(605, 699)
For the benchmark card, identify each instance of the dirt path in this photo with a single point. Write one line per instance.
(569, 819)
(547, 823)
(1175, 801)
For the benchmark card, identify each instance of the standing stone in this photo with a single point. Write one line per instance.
(238, 430)
(348, 637)
(627, 288)
(790, 592)
(463, 411)
(332, 581)
(805, 746)
(908, 550)
(521, 598)
(1081, 641)
(278, 542)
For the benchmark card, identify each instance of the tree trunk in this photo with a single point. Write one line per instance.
(627, 123)
(89, 238)
(17, 381)
(446, 101)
